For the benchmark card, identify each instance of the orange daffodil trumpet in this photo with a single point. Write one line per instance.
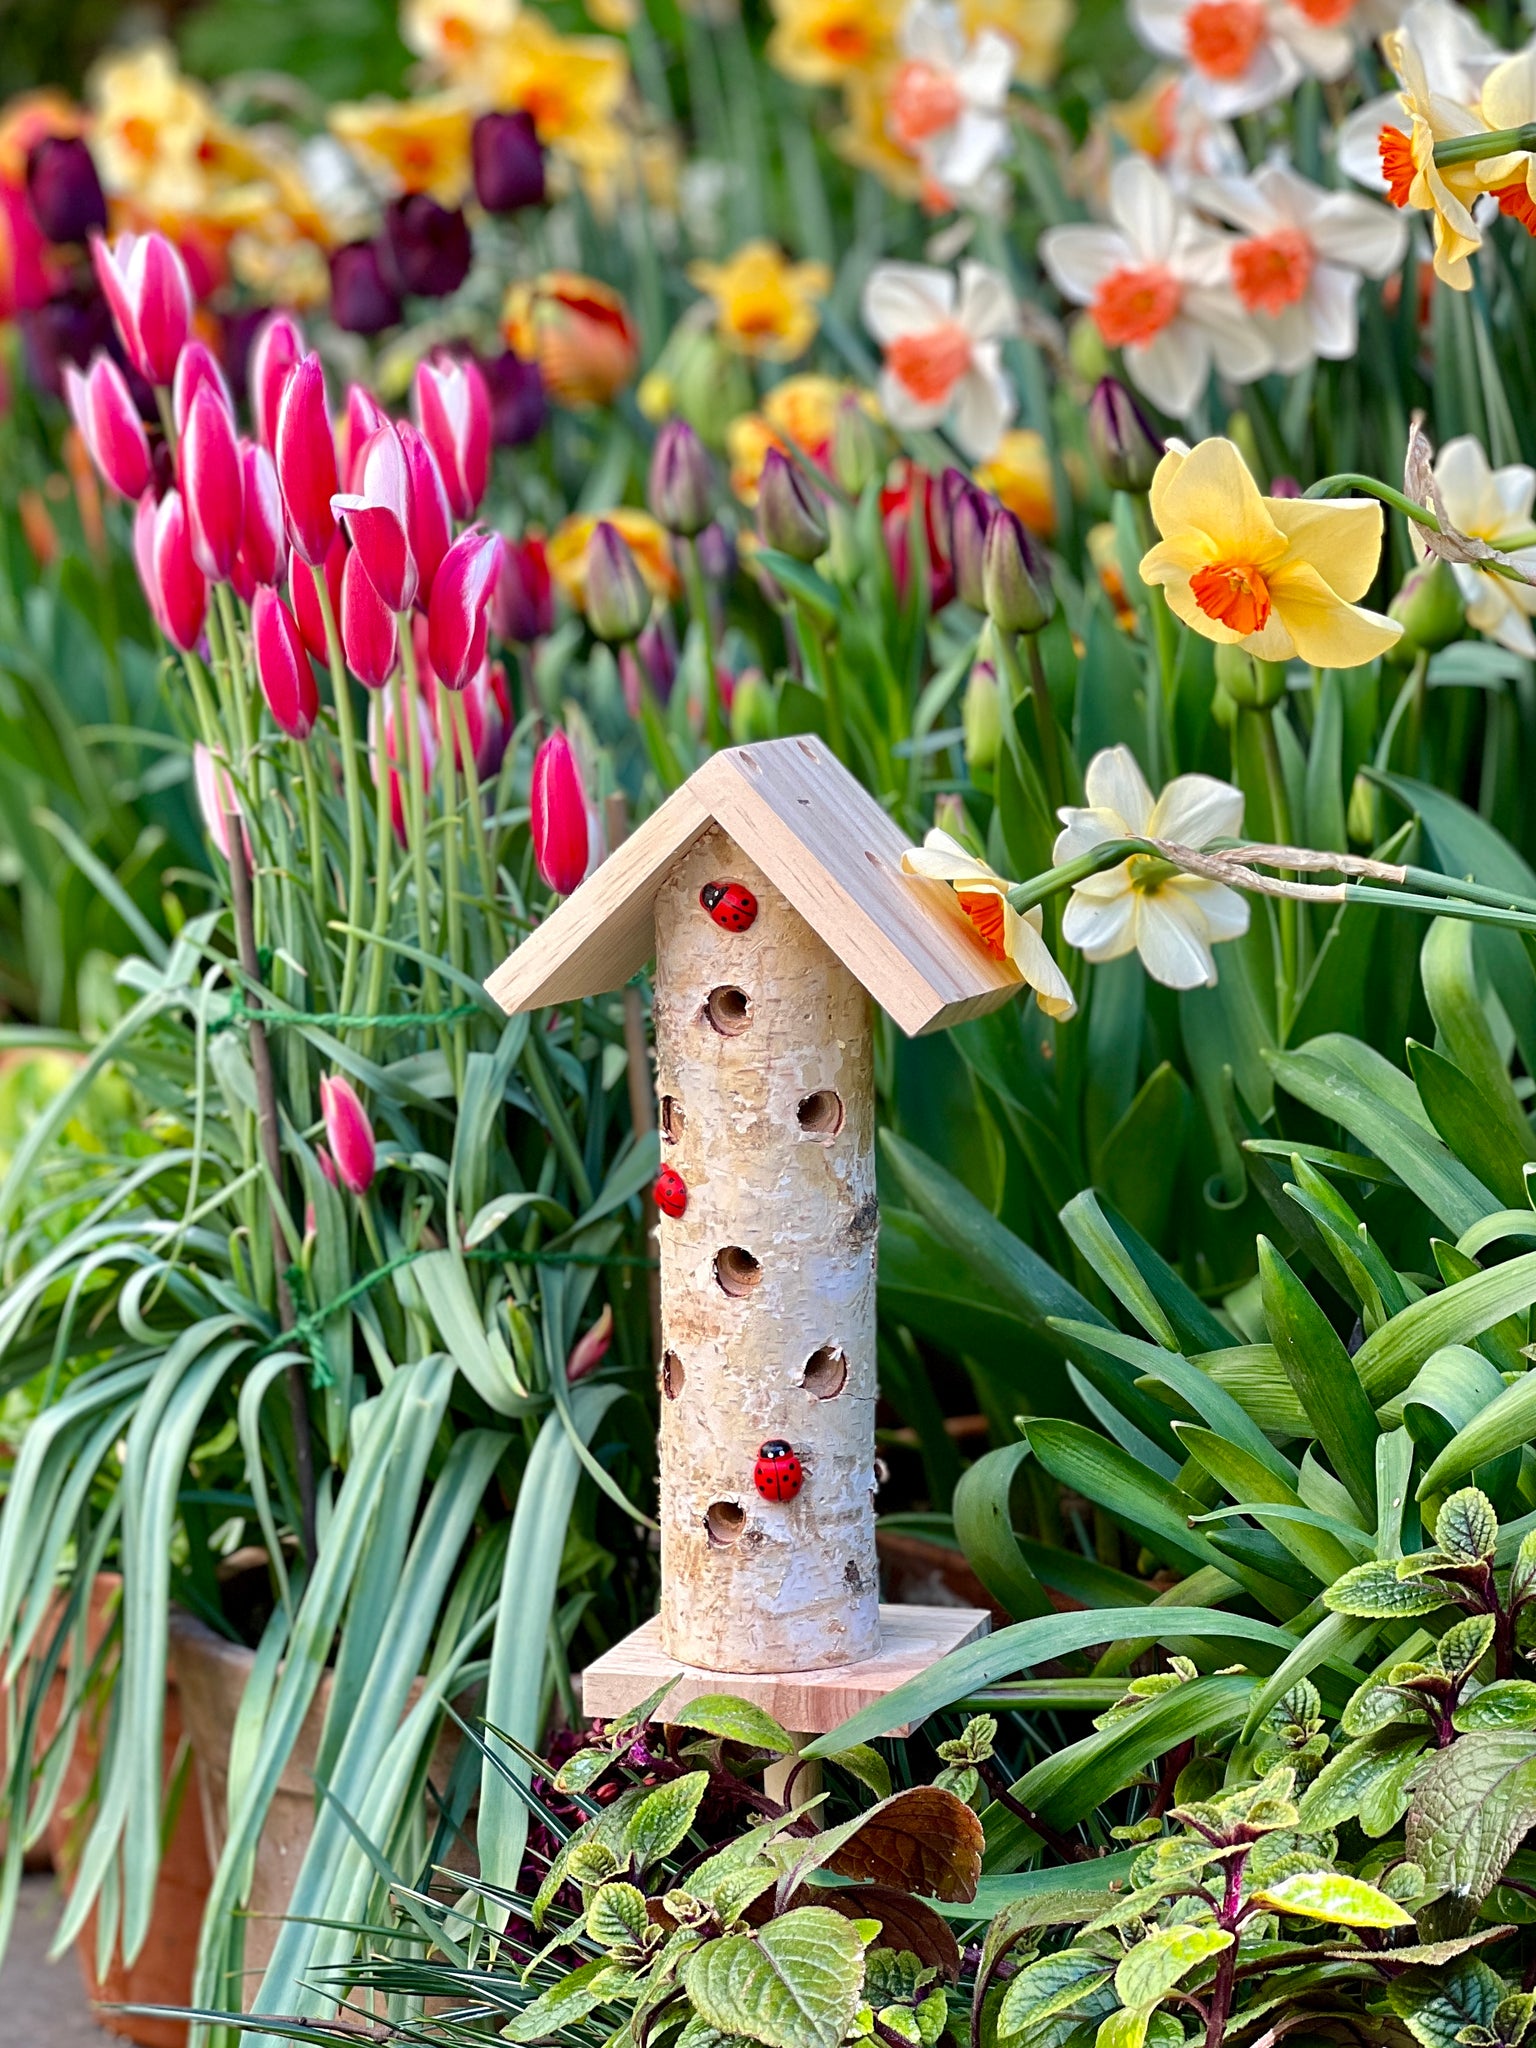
(1247, 54)
(943, 341)
(946, 106)
(1005, 932)
(1279, 577)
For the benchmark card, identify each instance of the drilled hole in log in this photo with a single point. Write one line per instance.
(729, 1010)
(821, 1115)
(671, 1375)
(737, 1271)
(724, 1521)
(672, 1119)
(826, 1373)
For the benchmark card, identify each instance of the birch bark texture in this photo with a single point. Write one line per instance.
(765, 1074)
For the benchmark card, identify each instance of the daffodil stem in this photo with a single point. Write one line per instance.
(1289, 911)
(1419, 685)
(1350, 481)
(698, 603)
(1165, 640)
(1038, 690)
(1025, 895)
(1473, 149)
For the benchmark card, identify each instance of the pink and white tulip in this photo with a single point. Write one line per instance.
(378, 517)
(216, 799)
(558, 816)
(146, 285)
(457, 619)
(305, 453)
(263, 556)
(173, 582)
(196, 366)
(367, 627)
(283, 666)
(278, 346)
(453, 410)
(348, 1133)
(363, 419)
(109, 425)
(431, 520)
(213, 483)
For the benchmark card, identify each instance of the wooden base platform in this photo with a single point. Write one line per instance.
(806, 1702)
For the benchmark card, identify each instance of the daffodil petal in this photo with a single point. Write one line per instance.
(1114, 783)
(1083, 830)
(1214, 492)
(1172, 943)
(1100, 930)
(1327, 633)
(1030, 954)
(1339, 537)
(1195, 809)
(1223, 911)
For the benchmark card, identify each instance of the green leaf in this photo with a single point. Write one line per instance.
(793, 1984)
(1323, 1375)
(1112, 1478)
(1164, 1959)
(1436, 2005)
(1472, 1807)
(1369, 1772)
(662, 1819)
(1333, 1896)
(1469, 1123)
(984, 1526)
(1322, 1550)
(569, 2002)
(1506, 1424)
(1467, 1528)
(1375, 1592)
(617, 1917)
(1507, 1703)
(1138, 1164)
(867, 1765)
(722, 1714)
(1053, 1985)
(1390, 1356)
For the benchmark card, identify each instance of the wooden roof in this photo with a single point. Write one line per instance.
(823, 841)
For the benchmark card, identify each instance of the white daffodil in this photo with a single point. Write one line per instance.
(947, 104)
(1492, 505)
(943, 344)
(1458, 54)
(1298, 266)
(1158, 286)
(1147, 904)
(1006, 933)
(1247, 54)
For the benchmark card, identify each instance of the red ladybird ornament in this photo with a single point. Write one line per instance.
(778, 1473)
(730, 904)
(670, 1192)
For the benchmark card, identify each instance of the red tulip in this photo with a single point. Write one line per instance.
(195, 367)
(282, 665)
(558, 815)
(306, 461)
(279, 344)
(213, 483)
(523, 602)
(453, 411)
(305, 599)
(145, 283)
(456, 619)
(263, 556)
(348, 1133)
(431, 521)
(109, 425)
(173, 582)
(367, 627)
(364, 417)
(378, 516)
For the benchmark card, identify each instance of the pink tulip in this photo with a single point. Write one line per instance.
(348, 1133)
(213, 483)
(195, 367)
(283, 666)
(279, 344)
(173, 582)
(216, 798)
(456, 619)
(378, 516)
(263, 556)
(305, 599)
(591, 1348)
(558, 816)
(364, 417)
(523, 604)
(146, 285)
(453, 411)
(431, 522)
(109, 425)
(367, 627)
(306, 461)
(389, 754)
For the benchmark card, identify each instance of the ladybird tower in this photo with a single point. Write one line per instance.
(769, 889)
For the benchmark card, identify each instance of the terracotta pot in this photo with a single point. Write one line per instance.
(161, 1973)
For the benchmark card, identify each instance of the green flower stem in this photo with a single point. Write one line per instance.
(414, 807)
(715, 726)
(1025, 895)
(346, 735)
(383, 860)
(1418, 684)
(304, 767)
(1165, 640)
(202, 703)
(536, 1067)
(814, 648)
(1350, 482)
(1038, 690)
(1288, 909)
(1474, 149)
(243, 690)
(452, 915)
(477, 831)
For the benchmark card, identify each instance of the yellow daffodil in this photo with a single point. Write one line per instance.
(764, 304)
(573, 86)
(456, 36)
(417, 145)
(1005, 932)
(824, 42)
(1147, 904)
(1036, 29)
(1446, 193)
(1019, 474)
(800, 412)
(1277, 576)
(648, 543)
(865, 140)
(1103, 543)
(1509, 101)
(150, 122)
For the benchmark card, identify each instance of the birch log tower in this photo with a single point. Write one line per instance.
(769, 890)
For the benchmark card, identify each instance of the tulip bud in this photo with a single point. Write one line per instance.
(856, 448)
(496, 728)
(590, 1349)
(196, 367)
(558, 816)
(456, 618)
(680, 491)
(518, 405)
(173, 582)
(263, 556)
(1125, 445)
(109, 424)
(970, 515)
(216, 798)
(367, 627)
(656, 651)
(523, 601)
(213, 483)
(306, 461)
(362, 420)
(453, 411)
(283, 667)
(377, 513)
(279, 344)
(430, 520)
(1429, 608)
(145, 283)
(1016, 577)
(363, 299)
(63, 189)
(618, 601)
(425, 248)
(1363, 817)
(789, 513)
(1285, 487)
(508, 162)
(1086, 351)
(305, 599)
(981, 716)
(348, 1133)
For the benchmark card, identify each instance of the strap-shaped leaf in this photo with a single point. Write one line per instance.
(1324, 1376)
